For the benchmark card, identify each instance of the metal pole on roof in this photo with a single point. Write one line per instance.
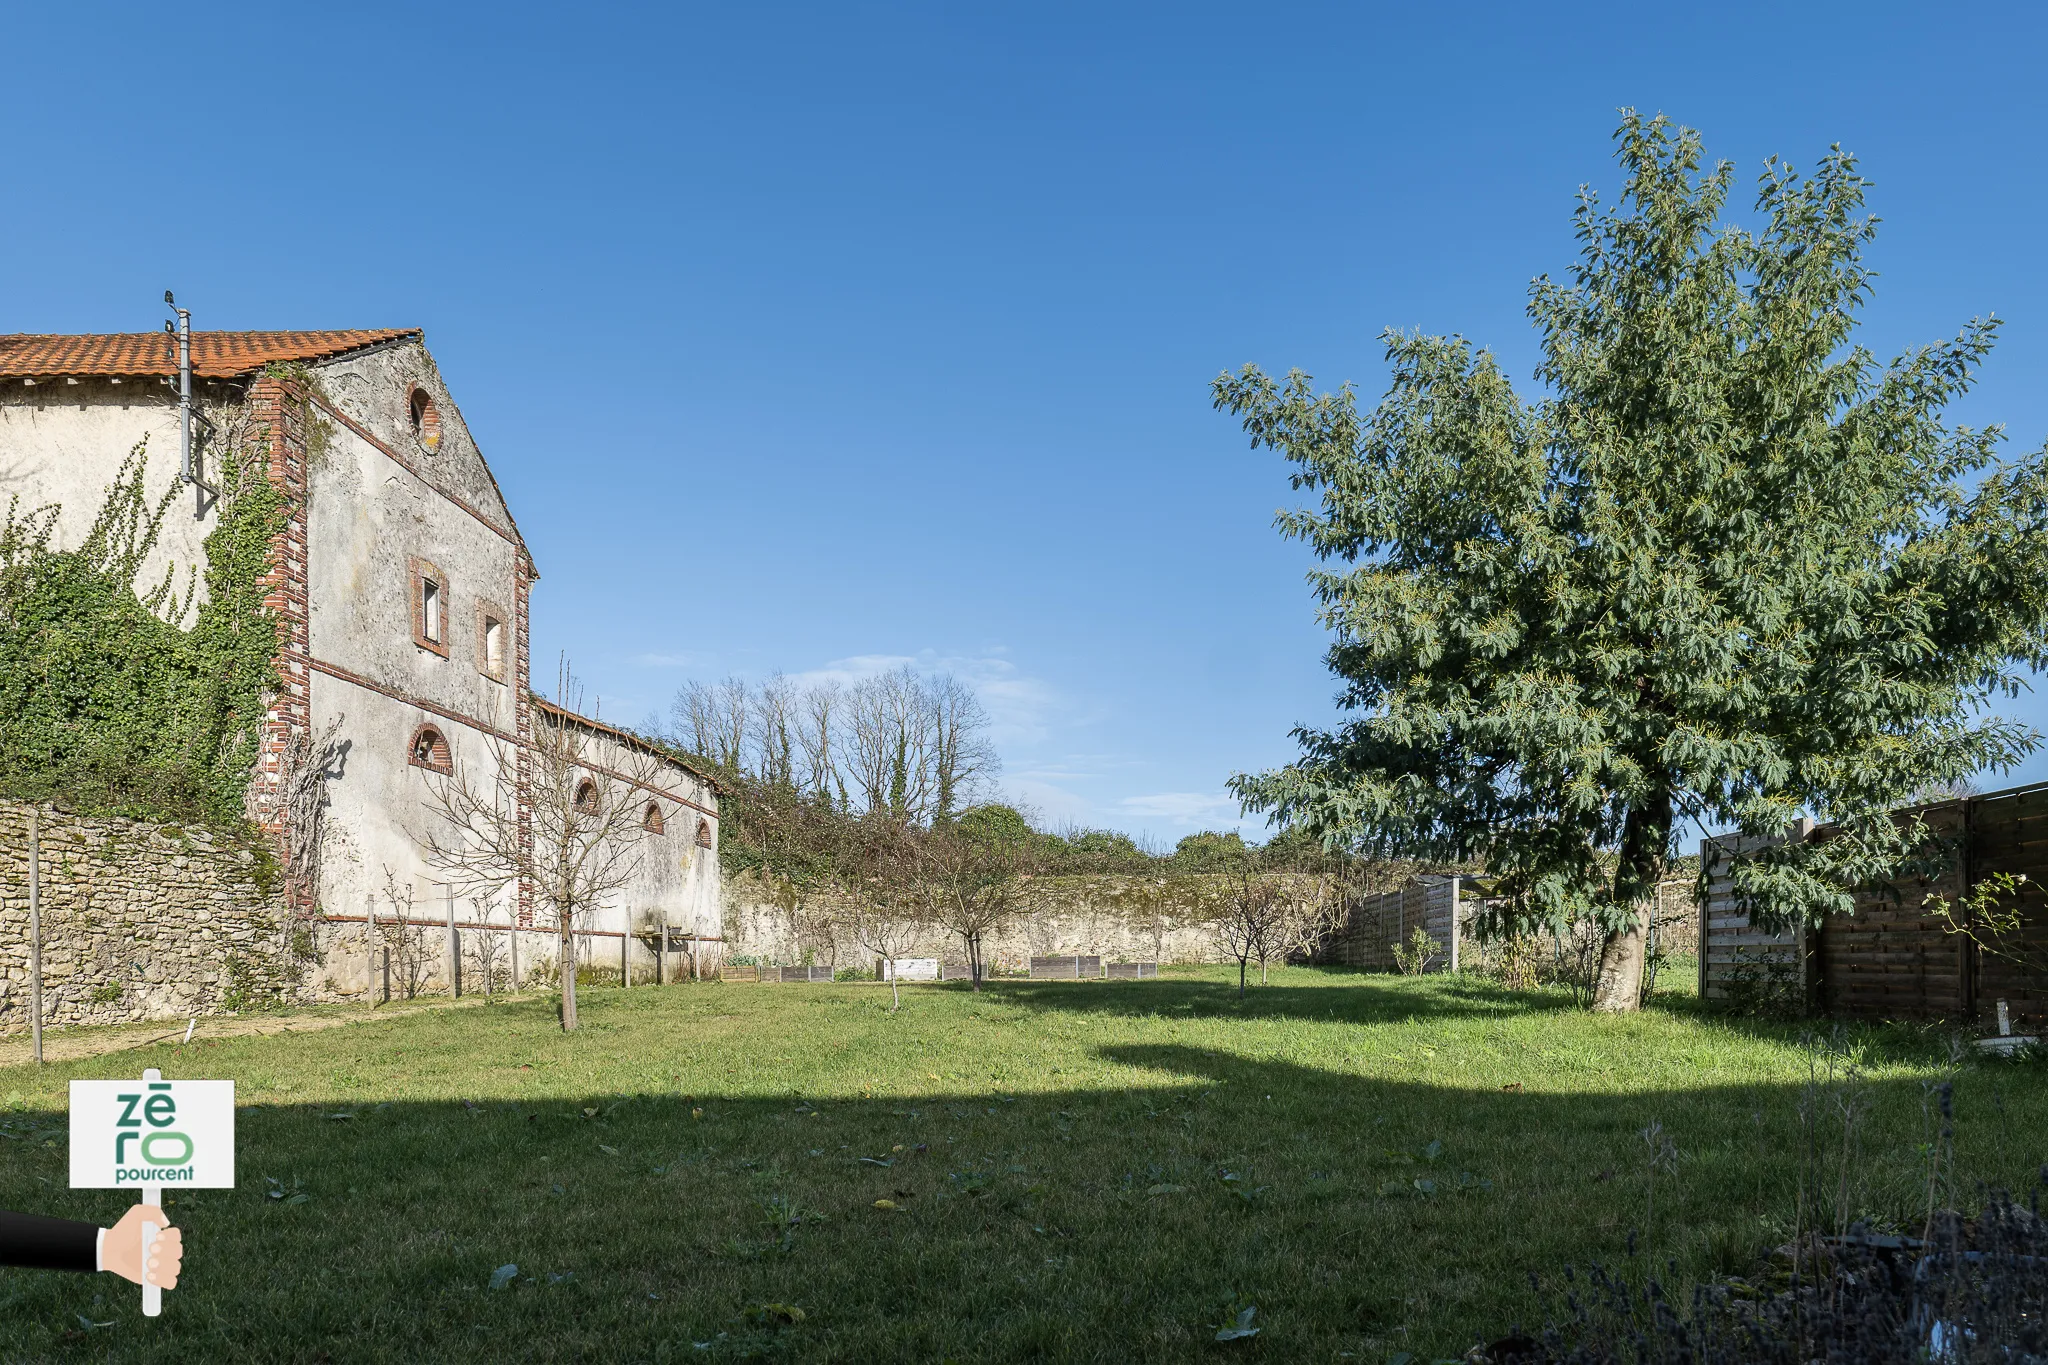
(184, 335)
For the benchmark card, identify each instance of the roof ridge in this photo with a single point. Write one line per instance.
(215, 354)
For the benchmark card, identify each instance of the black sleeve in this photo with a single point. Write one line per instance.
(39, 1243)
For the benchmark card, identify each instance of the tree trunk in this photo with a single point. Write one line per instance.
(1619, 986)
(568, 957)
(973, 942)
(1645, 844)
(1243, 966)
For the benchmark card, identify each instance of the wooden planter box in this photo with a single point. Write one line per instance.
(1066, 968)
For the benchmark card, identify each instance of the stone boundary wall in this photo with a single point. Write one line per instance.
(140, 922)
(1117, 917)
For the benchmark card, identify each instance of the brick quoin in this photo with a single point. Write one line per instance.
(522, 713)
(279, 411)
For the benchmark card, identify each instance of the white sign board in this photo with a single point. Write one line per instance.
(912, 969)
(129, 1134)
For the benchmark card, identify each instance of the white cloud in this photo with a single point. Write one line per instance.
(1020, 707)
(1188, 810)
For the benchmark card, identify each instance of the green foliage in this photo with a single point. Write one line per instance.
(108, 701)
(1725, 568)
(996, 824)
(1209, 851)
(1413, 957)
(1103, 850)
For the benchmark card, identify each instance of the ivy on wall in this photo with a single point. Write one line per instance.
(121, 698)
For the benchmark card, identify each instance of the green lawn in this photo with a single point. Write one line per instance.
(1080, 1172)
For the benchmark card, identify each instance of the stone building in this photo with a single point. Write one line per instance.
(402, 588)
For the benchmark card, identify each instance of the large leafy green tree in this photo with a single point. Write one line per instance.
(1719, 566)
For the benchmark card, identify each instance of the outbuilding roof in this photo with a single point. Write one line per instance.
(215, 355)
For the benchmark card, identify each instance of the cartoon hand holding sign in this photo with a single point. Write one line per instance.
(144, 1135)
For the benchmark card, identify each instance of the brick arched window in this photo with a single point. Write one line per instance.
(428, 749)
(426, 419)
(586, 797)
(651, 821)
(703, 834)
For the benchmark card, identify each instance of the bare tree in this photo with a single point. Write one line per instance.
(711, 720)
(962, 757)
(968, 885)
(402, 936)
(579, 842)
(772, 718)
(891, 737)
(888, 917)
(1252, 921)
(897, 744)
(818, 712)
(485, 948)
(302, 803)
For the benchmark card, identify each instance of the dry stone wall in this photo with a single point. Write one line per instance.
(139, 922)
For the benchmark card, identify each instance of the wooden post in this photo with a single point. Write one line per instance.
(625, 942)
(387, 976)
(35, 927)
(454, 950)
(514, 932)
(1703, 901)
(1454, 921)
(661, 953)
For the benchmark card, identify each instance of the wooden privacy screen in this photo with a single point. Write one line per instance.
(1374, 924)
(1890, 959)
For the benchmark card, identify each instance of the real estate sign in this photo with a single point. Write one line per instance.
(131, 1134)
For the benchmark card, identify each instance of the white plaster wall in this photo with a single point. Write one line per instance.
(375, 389)
(64, 443)
(367, 515)
(676, 881)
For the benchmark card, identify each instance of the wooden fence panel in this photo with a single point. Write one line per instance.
(1737, 956)
(1890, 959)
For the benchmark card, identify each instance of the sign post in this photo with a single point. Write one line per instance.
(144, 1135)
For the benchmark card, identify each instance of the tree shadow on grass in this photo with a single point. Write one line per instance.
(1113, 1220)
(1344, 997)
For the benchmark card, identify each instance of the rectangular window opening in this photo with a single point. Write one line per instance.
(494, 647)
(430, 609)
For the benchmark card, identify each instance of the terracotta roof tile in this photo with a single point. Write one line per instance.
(216, 355)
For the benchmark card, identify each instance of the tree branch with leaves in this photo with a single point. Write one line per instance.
(1723, 569)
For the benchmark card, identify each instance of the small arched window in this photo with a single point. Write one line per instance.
(703, 834)
(586, 797)
(429, 749)
(426, 421)
(651, 821)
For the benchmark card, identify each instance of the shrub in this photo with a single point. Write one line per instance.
(1413, 957)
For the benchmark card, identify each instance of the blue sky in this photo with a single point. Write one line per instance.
(816, 338)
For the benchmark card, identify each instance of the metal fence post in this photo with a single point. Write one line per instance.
(625, 942)
(454, 949)
(35, 927)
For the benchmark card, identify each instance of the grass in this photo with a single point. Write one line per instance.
(1080, 1172)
